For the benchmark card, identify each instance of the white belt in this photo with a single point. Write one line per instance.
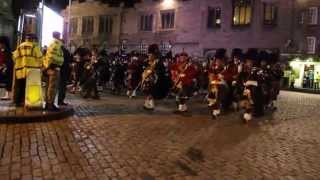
(251, 83)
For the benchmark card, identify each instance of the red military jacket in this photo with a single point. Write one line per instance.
(184, 73)
(230, 73)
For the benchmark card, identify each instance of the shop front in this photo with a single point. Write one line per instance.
(304, 73)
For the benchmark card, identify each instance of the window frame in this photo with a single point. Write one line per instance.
(73, 26)
(87, 30)
(143, 26)
(312, 21)
(314, 45)
(105, 24)
(169, 13)
(250, 4)
(214, 19)
(274, 14)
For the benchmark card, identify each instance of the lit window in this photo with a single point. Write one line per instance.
(214, 17)
(146, 22)
(270, 13)
(311, 44)
(167, 19)
(105, 24)
(87, 25)
(242, 12)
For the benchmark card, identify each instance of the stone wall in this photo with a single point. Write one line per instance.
(190, 32)
(303, 30)
(94, 9)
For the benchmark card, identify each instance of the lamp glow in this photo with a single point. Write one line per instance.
(168, 3)
(51, 22)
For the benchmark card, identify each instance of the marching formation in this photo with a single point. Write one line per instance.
(248, 81)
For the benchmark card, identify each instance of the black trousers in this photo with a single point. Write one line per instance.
(89, 87)
(20, 91)
(62, 89)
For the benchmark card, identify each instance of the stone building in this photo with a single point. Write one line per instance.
(198, 27)
(303, 51)
(7, 21)
(201, 26)
(92, 23)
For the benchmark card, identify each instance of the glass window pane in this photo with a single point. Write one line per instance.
(248, 15)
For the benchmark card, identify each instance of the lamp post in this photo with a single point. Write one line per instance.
(68, 25)
(41, 23)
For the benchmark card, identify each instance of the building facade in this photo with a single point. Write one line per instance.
(7, 21)
(303, 51)
(202, 26)
(196, 26)
(92, 23)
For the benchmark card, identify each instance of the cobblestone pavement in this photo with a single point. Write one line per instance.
(115, 139)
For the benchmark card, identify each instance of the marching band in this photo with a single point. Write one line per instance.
(247, 81)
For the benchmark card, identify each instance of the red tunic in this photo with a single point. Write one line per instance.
(2, 58)
(230, 73)
(186, 75)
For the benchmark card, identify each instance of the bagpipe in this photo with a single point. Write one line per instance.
(148, 76)
(177, 83)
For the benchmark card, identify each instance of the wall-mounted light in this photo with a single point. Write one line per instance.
(168, 3)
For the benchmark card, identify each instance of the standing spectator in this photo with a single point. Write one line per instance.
(6, 66)
(53, 62)
(89, 78)
(27, 56)
(316, 80)
(64, 76)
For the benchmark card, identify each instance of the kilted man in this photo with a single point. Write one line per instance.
(251, 77)
(183, 74)
(133, 75)
(150, 76)
(217, 86)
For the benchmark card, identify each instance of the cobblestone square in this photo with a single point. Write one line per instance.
(114, 138)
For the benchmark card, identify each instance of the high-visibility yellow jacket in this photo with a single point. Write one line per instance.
(27, 55)
(54, 54)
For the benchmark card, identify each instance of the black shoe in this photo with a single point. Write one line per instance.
(19, 105)
(96, 97)
(63, 104)
(52, 108)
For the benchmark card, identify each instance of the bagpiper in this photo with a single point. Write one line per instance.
(217, 85)
(276, 75)
(183, 75)
(150, 76)
(235, 66)
(252, 100)
(134, 72)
